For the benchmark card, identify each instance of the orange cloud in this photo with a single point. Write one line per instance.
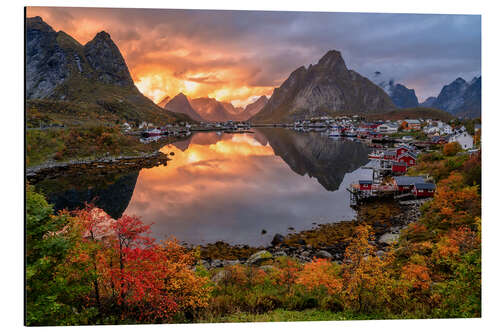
(161, 62)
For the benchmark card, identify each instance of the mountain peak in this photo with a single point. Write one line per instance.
(107, 60)
(331, 59)
(322, 89)
(181, 104)
(102, 35)
(37, 23)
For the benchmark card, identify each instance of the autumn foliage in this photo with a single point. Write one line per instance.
(84, 267)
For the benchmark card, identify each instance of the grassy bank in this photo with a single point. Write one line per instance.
(65, 144)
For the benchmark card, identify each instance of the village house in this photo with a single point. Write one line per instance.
(388, 128)
(413, 124)
(423, 190)
(398, 167)
(465, 140)
(365, 185)
(405, 183)
(409, 158)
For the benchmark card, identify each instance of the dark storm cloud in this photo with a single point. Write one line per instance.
(260, 49)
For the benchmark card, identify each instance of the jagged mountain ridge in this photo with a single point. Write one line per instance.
(211, 109)
(402, 96)
(322, 89)
(164, 101)
(93, 76)
(461, 98)
(253, 108)
(180, 105)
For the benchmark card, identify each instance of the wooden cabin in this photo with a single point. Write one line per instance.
(405, 183)
(408, 158)
(398, 167)
(365, 185)
(423, 190)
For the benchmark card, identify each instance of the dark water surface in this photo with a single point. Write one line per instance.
(230, 187)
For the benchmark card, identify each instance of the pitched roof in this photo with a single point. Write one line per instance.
(407, 180)
(425, 186)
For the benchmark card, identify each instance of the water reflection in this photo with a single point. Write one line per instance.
(230, 187)
(111, 191)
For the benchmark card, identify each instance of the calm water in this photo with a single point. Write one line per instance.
(230, 187)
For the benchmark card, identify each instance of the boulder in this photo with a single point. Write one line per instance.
(259, 257)
(279, 254)
(324, 255)
(267, 268)
(278, 239)
(226, 263)
(216, 263)
(388, 238)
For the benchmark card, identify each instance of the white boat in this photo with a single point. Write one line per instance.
(352, 133)
(334, 133)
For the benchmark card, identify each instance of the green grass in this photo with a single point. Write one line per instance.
(281, 315)
(83, 143)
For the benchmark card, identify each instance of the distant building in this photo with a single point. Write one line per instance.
(465, 140)
(387, 128)
(413, 124)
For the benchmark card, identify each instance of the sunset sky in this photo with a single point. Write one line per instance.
(237, 56)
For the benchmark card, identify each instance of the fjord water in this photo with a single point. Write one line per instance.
(232, 187)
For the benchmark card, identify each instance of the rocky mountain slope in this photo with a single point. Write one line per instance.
(322, 89)
(180, 105)
(461, 98)
(164, 101)
(92, 78)
(429, 102)
(253, 108)
(402, 96)
(210, 109)
(399, 93)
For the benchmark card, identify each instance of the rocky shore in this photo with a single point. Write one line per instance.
(304, 249)
(101, 165)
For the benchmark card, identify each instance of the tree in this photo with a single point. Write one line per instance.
(366, 278)
(321, 274)
(451, 148)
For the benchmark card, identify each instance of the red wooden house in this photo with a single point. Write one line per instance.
(405, 183)
(423, 190)
(398, 167)
(389, 155)
(365, 185)
(408, 158)
(402, 149)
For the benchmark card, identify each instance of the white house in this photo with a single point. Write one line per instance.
(126, 126)
(464, 139)
(387, 128)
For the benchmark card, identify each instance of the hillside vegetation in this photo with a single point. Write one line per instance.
(84, 268)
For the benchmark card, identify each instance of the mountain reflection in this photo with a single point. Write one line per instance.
(227, 187)
(111, 192)
(317, 155)
(230, 187)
